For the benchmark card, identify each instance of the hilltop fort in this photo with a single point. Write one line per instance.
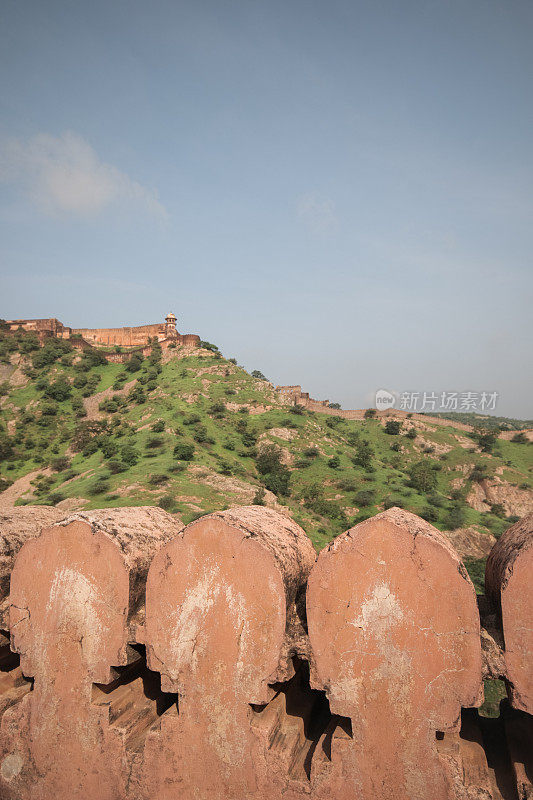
(139, 337)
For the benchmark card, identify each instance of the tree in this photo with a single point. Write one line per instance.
(364, 452)
(257, 374)
(275, 474)
(486, 439)
(423, 476)
(134, 364)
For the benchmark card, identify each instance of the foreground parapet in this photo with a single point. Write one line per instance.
(394, 632)
(76, 593)
(509, 585)
(223, 607)
(17, 526)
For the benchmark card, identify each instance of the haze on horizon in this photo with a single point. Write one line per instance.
(337, 194)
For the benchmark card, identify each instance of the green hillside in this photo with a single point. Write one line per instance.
(195, 432)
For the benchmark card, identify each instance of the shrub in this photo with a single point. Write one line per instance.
(158, 427)
(259, 497)
(258, 374)
(430, 514)
(99, 486)
(411, 433)
(393, 427)
(157, 479)
(201, 435)
(49, 410)
(370, 413)
(498, 510)
(390, 502)
(60, 464)
(55, 498)
(153, 442)
(108, 446)
(115, 466)
(334, 462)
(6, 446)
(364, 498)
(297, 409)
(134, 364)
(184, 452)
(311, 452)
(166, 502)
(455, 518)
(479, 473)
(217, 409)
(520, 438)
(130, 455)
(59, 390)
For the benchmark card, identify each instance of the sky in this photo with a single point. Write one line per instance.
(338, 193)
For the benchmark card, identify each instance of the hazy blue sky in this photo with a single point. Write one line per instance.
(337, 193)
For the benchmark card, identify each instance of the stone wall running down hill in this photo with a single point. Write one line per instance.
(224, 661)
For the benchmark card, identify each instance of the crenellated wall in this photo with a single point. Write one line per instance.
(126, 337)
(224, 661)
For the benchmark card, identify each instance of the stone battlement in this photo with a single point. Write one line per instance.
(225, 661)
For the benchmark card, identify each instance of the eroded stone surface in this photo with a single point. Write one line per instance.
(73, 592)
(222, 619)
(17, 526)
(509, 585)
(394, 631)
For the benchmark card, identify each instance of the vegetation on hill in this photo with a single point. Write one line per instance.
(194, 432)
(488, 421)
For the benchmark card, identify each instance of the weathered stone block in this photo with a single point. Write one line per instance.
(75, 592)
(394, 632)
(223, 612)
(509, 585)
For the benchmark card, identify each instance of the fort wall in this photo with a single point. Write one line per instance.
(138, 337)
(126, 337)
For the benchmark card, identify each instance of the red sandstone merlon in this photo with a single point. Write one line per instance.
(509, 586)
(222, 619)
(394, 632)
(76, 591)
(17, 526)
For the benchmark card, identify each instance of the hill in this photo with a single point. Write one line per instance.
(193, 432)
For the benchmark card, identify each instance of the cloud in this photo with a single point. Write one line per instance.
(318, 213)
(64, 175)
